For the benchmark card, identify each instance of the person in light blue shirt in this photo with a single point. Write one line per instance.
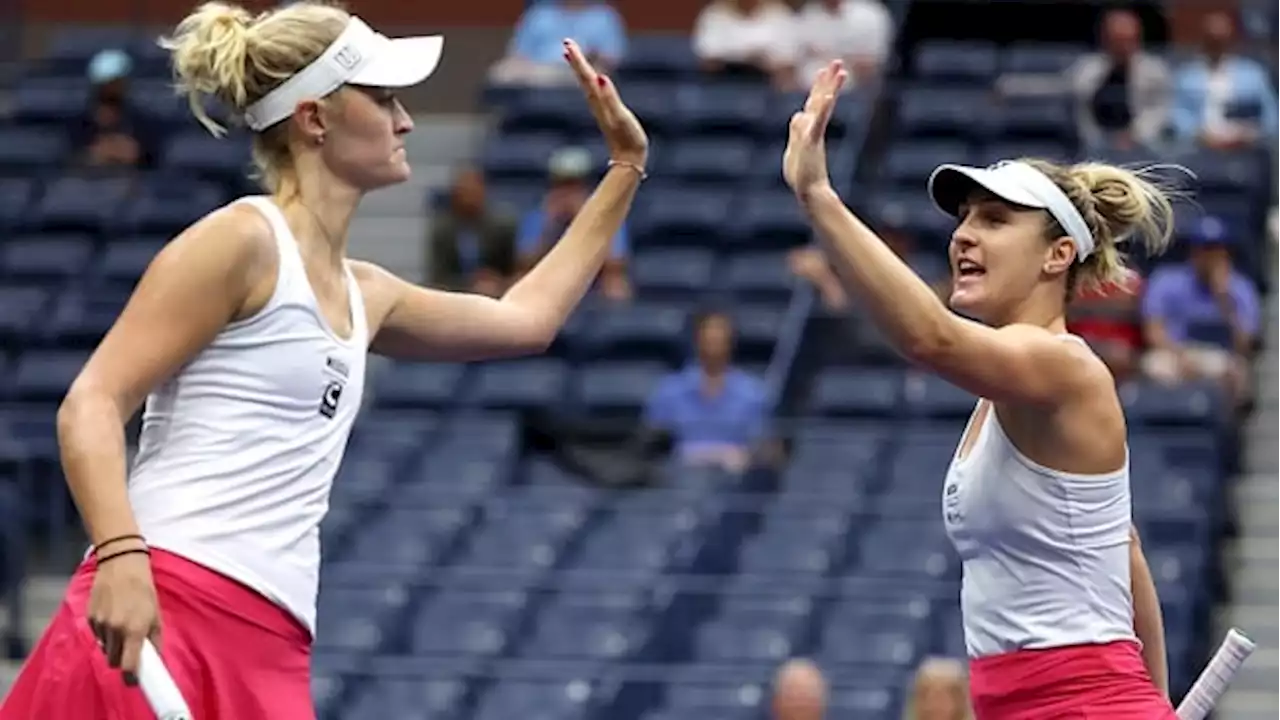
(1202, 317)
(715, 412)
(1223, 101)
(534, 56)
(569, 171)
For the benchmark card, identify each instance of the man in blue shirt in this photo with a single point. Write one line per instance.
(1201, 317)
(715, 412)
(569, 172)
(534, 56)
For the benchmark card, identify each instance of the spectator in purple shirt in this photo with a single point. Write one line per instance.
(1201, 317)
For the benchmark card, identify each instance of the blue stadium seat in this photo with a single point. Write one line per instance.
(752, 629)
(769, 220)
(759, 276)
(643, 542)
(81, 319)
(947, 113)
(910, 164)
(123, 261)
(198, 154)
(1012, 150)
(416, 385)
(727, 108)
(756, 331)
(80, 204)
(522, 157)
(535, 700)
(915, 213)
(519, 384)
(20, 309)
(1188, 405)
(613, 387)
(672, 274)
(30, 150)
(51, 101)
(655, 105)
(857, 393)
(586, 627)
(459, 623)
(951, 61)
(70, 48)
(168, 205)
(929, 396)
(1047, 119)
(1041, 59)
(45, 376)
(45, 258)
(680, 216)
(658, 57)
(722, 162)
(641, 331)
(520, 540)
(551, 110)
(439, 696)
(357, 620)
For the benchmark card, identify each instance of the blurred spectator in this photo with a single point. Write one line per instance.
(858, 31)
(536, 54)
(1108, 319)
(1122, 93)
(473, 245)
(751, 38)
(940, 691)
(811, 263)
(1224, 101)
(1201, 316)
(714, 412)
(112, 132)
(542, 227)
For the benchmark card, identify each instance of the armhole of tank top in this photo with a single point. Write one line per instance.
(356, 299)
(274, 219)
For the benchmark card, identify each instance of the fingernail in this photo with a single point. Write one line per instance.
(602, 80)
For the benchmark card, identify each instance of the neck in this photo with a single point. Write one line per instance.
(319, 207)
(1041, 310)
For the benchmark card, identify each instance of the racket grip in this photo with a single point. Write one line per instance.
(1212, 684)
(159, 687)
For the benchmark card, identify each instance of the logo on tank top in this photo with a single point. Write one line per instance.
(332, 395)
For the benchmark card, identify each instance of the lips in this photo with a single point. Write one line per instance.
(968, 268)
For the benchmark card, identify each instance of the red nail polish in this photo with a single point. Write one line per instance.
(602, 80)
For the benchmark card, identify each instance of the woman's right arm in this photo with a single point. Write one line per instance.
(199, 282)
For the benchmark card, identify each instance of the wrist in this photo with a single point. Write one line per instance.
(817, 194)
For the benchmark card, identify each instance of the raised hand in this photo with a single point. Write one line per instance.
(623, 134)
(804, 163)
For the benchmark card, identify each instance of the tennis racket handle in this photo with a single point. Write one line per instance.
(158, 686)
(1212, 684)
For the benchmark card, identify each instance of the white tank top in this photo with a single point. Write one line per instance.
(239, 449)
(1045, 553)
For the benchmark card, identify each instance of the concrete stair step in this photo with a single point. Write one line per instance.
(1258, 621)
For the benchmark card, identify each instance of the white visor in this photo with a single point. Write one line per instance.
(359, 56)
(1014, 182)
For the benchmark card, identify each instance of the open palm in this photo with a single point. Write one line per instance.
(804, 163)
(623, 134)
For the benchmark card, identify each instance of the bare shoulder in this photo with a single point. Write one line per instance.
(380, 289)
(1067, 355)
(237, 235)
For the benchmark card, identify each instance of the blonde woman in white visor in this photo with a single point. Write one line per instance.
(247, 339)
(1060, 613)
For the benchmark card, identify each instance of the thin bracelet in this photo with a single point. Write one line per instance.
(638, 169)
(98, 548)
(130, 551)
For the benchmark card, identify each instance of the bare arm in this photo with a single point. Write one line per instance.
(1018, 363)
(1148, 621)
(198, 283)
(418, 323)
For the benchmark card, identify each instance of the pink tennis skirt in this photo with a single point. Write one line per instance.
(234, 654)
(1080, 682)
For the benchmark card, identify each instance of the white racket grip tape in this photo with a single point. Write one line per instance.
(1212, 684)
(158, 686)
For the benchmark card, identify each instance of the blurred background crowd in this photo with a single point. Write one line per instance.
(718, 465)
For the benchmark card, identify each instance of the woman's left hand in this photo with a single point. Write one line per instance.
(804, 163)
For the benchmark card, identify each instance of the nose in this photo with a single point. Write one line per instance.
(403, 120)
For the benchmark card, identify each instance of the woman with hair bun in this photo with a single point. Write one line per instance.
(247, 338)
(1060, 612)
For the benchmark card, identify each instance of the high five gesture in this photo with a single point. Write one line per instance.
(804, 163)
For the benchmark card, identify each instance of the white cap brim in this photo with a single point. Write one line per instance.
(951, 185)
(402, 62)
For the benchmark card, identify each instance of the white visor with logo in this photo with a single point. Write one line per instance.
(360, 56)
(1014, 182)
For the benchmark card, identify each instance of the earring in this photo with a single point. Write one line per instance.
(320, 139)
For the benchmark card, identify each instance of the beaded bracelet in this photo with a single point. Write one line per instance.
(638, 169)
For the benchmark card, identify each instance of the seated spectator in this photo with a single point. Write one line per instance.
(542, 227)
(111, 133)
(858, 31)
(1202, 316)
(1122, 94)
(747, 38)
(1224, 101)
(1108, 319)
(811, 263)
(472, 245)
(714, 412)
(535, 56)
(940, 692)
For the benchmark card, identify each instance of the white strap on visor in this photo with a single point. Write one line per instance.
(359, 56)
(1015, 182)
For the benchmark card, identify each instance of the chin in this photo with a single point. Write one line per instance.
(967, 303)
